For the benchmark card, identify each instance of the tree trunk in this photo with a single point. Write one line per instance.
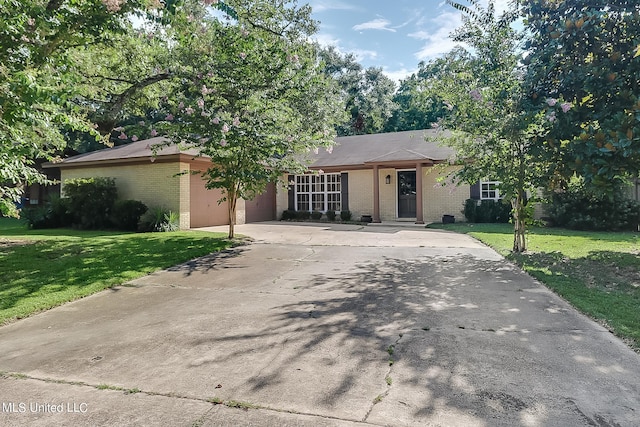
(519, 223)
(232, 197)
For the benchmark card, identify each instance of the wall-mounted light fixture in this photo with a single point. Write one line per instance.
(387, 179)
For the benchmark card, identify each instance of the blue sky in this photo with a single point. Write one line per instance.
(395, 35)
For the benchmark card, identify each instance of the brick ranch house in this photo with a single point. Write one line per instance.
(161, 181)
(389, 176)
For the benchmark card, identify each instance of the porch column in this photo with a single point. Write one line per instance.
(376, 194)
(419, 213)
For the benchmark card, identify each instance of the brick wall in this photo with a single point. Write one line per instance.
(154, 184)
(442, 200)
(361, 193)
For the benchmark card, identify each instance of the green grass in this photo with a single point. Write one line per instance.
(40, 269)
(597, 272)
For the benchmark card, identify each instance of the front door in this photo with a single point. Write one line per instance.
(406, 194)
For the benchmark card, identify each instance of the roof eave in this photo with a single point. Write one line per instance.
(181, 157)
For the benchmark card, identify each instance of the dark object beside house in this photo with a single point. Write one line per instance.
(366, 218)
(448, 219)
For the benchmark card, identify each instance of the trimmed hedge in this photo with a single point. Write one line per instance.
(91, 201)
(579, 209)
(291, 215)
(126, 214)
(53, 214)
(482, 211)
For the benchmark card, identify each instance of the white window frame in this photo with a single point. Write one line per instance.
(321, 191)
(488, 185)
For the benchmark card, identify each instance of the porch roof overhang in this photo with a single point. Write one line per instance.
(389, 164)
(395, 149)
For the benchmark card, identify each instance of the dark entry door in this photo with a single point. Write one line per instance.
(406, 194)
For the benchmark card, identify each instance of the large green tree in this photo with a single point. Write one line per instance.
(38, 80)
(367, 93)
(582, 56)
(491, 123)
(252, 97)
(419, 106)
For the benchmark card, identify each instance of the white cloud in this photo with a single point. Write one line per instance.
(325, 39)
(397, 75)
(324, 5)
(437, 41)
(361, 54)
(376, 24)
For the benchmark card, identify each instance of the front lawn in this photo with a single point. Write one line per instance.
(597, 272)
(40, 269)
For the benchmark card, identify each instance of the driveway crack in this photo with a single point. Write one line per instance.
(391, 350)
(230, 403)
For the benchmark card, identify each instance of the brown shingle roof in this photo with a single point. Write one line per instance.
(405, 146)
(349, 151)
(139, 150)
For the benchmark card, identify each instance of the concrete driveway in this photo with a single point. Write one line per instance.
(322, 326)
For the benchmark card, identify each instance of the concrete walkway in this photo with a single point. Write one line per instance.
(322, 326)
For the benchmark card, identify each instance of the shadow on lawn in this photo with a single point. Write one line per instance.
(61, 270)
(604, 285)
(425, 316)
(507, 229)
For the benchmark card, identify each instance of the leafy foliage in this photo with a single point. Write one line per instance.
(253, 98)
(126, 214)
(419, 106)
(582, 55)
(288, 215)
(38, 82)
(53, 214)
(367, 94)
(582, 209)
(159, 219)
(491, 126)
(91, 201)
(486, 211)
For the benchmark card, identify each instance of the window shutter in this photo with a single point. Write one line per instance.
(291, 192)
(475, 191)
(344, 191)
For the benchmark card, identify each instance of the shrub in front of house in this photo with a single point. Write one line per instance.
(481, 211)
(158, 218)
(126, 214)
(345, 215)
(579, 209)
(36, 217)
(288, 215)
(316, 215)
(331, 215)
(59, 211)
(91, 201)
(303, 215)
(53, 214)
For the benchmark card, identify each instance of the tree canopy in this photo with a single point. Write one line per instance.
(38, 80)
(582, 55)
(252, 96)
(490, 121)
(366, 93)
